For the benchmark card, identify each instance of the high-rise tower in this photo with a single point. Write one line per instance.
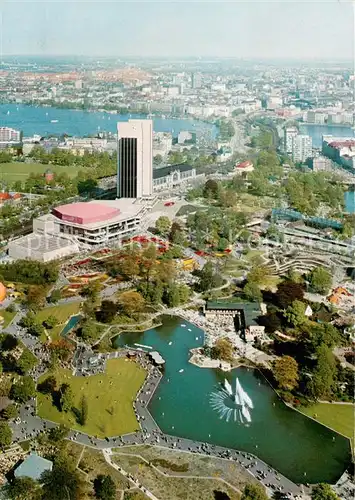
(135, 159)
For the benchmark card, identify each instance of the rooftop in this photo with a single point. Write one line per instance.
(164, 171)
(125, 208)
(251, 310)
(85, 213)
(33, 466)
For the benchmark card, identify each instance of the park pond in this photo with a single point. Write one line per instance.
(237, 409)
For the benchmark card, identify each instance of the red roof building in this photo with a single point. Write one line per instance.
(85, 213)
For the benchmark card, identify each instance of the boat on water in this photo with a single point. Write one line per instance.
(8, 113)
(54, 121)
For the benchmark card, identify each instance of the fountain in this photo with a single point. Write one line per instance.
(232, 403)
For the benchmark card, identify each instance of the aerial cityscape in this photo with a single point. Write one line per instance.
(177, 240)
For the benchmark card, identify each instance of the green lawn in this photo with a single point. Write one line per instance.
(336, 416)
(109, 396)
(8, 317)
(62, 312)
(18, 171)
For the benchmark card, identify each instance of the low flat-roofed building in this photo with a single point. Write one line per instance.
(72, 227)
(42, 247)
(33, 466)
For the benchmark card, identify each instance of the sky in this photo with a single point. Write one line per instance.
(261, 29)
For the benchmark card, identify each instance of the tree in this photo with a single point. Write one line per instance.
(254, 492)
(60, 350)
(66, 397)
(211, 189)
(63, 481)
(208, 278)
(89, 331)
(36, 296)
(252, 292)
(131, 302)
(91, 291)
(50, 322)
(83, 411)
(271, 321)
(48, 386)
(287, 292)
(10, 412)
(107, 311)
(22, 488)
(104, 487)
(5, 434)
(184, 293)
(55, 296)
(274, 234)
(285, 370)
(323, 491)
(171, 295)
(323, 375)
(258, 274)
(175, 227)
(57, 434)
(163, 225)
(23, 390)
(223, 350)
(158, 159)
(223, 244)
(295, 313)
(26, 362)
(320, 279)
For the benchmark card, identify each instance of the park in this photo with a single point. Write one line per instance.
(109, 396)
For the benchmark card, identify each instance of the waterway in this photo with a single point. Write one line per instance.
(298, 447)
(38, 120)
(317, 131)
(350, 201)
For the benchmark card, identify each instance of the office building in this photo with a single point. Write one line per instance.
(301, 148)
(135, 159)
(289, 134)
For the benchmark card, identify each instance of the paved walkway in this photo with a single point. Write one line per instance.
(149, 494)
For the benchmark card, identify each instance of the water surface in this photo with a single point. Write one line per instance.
(37, 120)
(282, 437)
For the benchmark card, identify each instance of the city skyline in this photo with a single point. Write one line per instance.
(293, 30)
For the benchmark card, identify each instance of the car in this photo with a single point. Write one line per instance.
(169, 203)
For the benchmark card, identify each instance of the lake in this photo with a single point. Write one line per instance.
(185, 405)
(317, 131)
(37, 120)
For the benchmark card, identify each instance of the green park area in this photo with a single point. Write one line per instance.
(340, 417)
(62, 313)
(18, 171)
(8, 317)
(109, 398)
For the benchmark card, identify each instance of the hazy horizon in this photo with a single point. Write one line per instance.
(242, 30)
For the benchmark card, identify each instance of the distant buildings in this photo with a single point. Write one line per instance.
(289, 134)
(330, 116)
(243, 168)
(135, 159)
(196, 80)
(297, 145)
(301, 148)
(9, 136)
(162, 143)
(339, 149)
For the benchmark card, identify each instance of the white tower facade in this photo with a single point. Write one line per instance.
(135, 159)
